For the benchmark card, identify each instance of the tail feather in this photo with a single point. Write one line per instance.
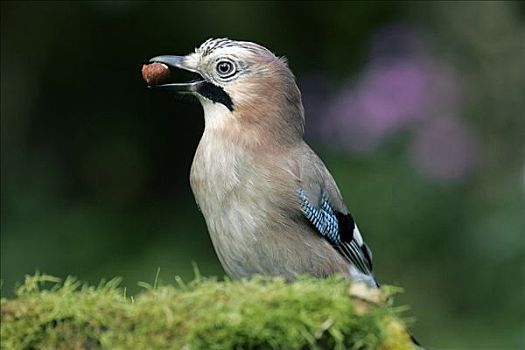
(415, 341)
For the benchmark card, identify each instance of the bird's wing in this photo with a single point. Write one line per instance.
(338, 229)
(322, 206)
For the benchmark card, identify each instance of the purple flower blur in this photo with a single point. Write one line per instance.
(404, 89)
(445, 149)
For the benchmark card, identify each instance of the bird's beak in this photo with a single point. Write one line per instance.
(178, 62)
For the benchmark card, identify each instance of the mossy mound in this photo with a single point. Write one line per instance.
(204, 314)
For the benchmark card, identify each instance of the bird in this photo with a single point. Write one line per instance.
(270, 204)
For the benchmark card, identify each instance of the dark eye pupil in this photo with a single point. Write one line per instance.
(225, 67)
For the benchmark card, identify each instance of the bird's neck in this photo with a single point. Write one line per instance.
(216, 115)
(253, 128)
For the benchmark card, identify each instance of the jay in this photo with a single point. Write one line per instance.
(270, 204)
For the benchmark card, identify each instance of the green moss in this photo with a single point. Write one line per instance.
(204, 314)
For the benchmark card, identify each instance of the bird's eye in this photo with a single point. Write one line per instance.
(225, 69)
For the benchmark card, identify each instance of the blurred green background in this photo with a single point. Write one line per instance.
(417, 109)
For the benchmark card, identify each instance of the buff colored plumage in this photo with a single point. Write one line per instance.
(270, 204)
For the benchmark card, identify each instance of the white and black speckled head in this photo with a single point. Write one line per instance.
(242, 82)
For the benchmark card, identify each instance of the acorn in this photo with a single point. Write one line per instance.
(155, 73)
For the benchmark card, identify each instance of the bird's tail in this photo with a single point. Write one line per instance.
(415, 341)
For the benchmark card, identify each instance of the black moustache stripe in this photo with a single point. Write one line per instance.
(216, 94)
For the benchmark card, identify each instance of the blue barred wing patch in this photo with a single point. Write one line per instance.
(323, 218)
(339, 230)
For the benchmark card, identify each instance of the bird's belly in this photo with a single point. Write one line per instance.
(250, 223)
(251, 239)
(272, 249)
(219, 185)
(235, 223)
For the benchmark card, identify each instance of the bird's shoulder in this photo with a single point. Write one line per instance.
(314, 178)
